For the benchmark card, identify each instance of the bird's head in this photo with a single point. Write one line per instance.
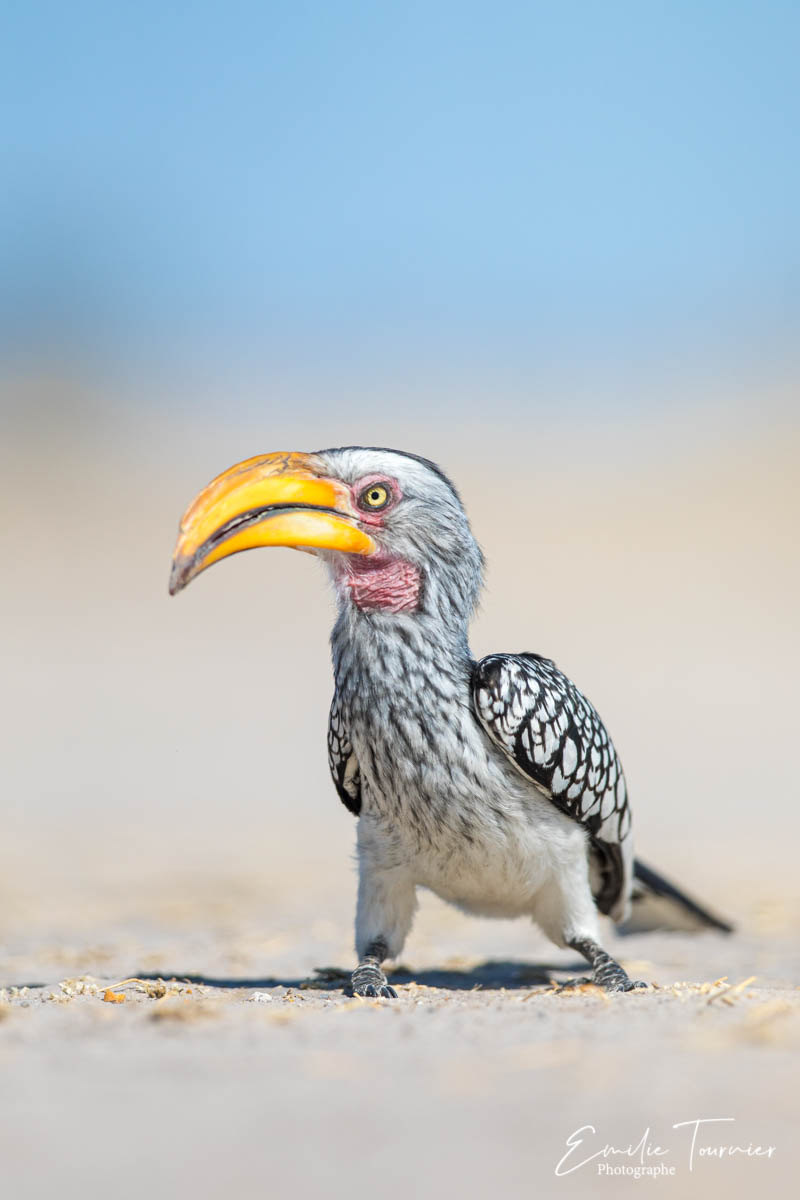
(389, 525)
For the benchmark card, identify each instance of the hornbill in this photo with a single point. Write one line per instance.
(492, 783)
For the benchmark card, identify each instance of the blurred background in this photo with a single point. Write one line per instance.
(553, 247)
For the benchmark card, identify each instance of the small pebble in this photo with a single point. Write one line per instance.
(260, 998)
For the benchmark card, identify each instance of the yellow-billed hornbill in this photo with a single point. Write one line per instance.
(493, 783)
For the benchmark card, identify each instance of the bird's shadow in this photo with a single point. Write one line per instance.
(492, 975)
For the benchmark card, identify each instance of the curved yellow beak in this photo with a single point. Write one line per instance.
(279, 499)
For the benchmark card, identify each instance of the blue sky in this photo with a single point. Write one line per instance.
(217, 180)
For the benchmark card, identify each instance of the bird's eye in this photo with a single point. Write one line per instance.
(374, 497)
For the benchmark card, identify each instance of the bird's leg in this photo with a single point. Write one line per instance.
(368, 979)
(606, 971)
(386, 903)
(567, 913)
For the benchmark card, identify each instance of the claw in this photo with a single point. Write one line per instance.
(612, 984)
(627, 985)
(372, 991)
(569, 984)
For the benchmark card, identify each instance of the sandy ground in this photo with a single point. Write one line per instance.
(211, 1046)
(167, 817)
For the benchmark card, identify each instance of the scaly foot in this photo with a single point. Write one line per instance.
(606, 971)
(369, 980)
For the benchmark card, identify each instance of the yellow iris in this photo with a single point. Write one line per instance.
(375, 496)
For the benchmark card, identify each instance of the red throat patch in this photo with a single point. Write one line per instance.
(391, 585)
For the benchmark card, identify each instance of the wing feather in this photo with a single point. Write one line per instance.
(342, 760)
(534, 713)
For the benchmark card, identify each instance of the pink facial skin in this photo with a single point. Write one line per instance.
(383, 583)
(380, 581)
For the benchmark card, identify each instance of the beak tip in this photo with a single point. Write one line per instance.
(179, 576)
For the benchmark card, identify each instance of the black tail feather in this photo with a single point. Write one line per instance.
(658, 904)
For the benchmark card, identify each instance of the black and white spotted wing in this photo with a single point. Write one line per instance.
(554, 735)
(342, 761)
